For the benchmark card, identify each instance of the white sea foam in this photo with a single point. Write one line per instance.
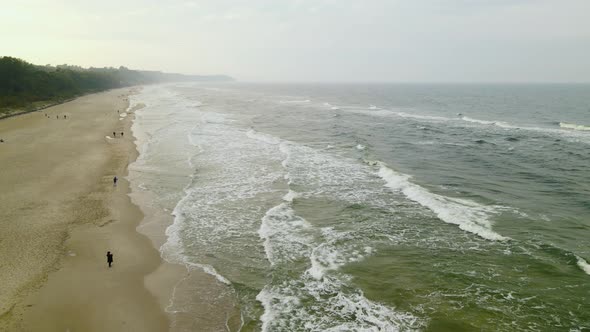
(284, 235)
(468, 119)
(373, 107)
(285, 309)
(360, 147)
(269, 139)
(583, 264)
(108, 137)
(304, 101)
(468, 215)
(486, 122)
(569, 134)
(286, 304)
(336, 250)
(332, 107)
(574, 126)
(209, 270)
(421, 117)
(290, 196)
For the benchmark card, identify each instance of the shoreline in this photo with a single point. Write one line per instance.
(77, 216)
(192, 299)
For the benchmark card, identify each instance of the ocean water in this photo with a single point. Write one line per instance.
(376, 207)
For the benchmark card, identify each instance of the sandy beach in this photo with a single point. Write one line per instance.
(60, 214)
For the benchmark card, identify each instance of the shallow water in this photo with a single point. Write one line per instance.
(377, 207)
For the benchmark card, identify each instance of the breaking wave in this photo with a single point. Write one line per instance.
(574, 126)
(469, 216)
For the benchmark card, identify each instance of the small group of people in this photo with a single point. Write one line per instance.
(57, 116)
(115, 134)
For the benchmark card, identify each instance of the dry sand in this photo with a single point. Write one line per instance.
(60, 213)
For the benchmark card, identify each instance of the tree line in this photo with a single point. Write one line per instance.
(22, 83)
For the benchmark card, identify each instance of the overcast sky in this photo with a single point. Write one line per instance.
(310, 40)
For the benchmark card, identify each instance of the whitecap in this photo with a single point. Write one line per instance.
(583, 264)
(290, 196)
(304, 101)
(209, 270)
(282, 232)
(574, 126)
(269, 139)
(469, 216)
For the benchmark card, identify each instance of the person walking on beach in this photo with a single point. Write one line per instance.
(115, 181)
(121, 134)
(109, 258)
(114, 134)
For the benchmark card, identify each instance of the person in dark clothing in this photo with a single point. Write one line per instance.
(121, 134)
(115, 181)
(114, 134)
(109, 258)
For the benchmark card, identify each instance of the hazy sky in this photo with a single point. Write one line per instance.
(310, 40)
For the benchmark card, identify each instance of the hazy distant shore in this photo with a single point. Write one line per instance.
(25, 87)
(60, 213)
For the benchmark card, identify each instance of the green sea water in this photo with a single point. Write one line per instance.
(378, 207)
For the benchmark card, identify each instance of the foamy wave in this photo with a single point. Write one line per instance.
(485, 122)
(172, 249)
(468, 215)
(295, 101)
(209, 270)
(360, 147)
(332, 107)
(334, 253)
(262, 137)
(390, 113)
(574, 126)
(281, 229)
(583, 264)
(373, 107)
(421, 117)
(290, 196)
(213, 117)
(108, 137)
(501, 124)
(468, 119)
(339, 308)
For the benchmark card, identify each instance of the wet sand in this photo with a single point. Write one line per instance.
(60, 213)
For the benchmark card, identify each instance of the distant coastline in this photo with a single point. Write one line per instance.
(25, 87)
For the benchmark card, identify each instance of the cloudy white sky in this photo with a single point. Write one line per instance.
(310, 40)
